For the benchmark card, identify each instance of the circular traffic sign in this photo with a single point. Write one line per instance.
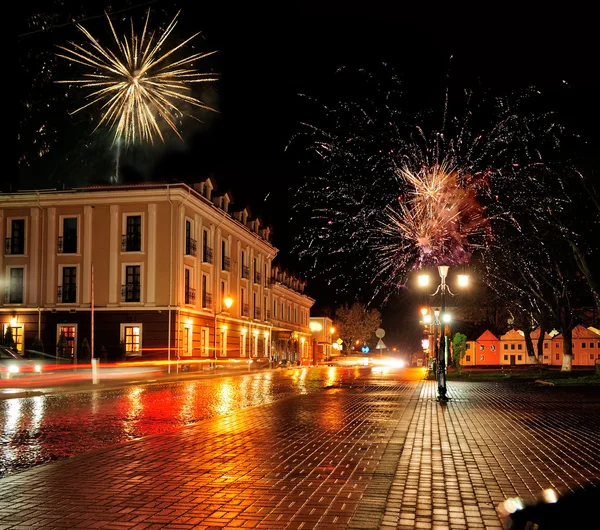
(380, 333)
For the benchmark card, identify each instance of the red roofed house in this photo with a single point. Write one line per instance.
(487, 350)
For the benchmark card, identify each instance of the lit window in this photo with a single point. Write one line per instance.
(132, 339)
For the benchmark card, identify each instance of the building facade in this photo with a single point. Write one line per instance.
(145, 270)
(511, 350)
(323, 339)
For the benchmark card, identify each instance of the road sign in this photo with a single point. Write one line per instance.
(365, 349)
(380, 345)
(339, 341)
(380, 333)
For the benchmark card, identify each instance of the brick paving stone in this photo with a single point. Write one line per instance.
(383, 455)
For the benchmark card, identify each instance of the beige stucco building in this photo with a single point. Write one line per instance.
(153, 263)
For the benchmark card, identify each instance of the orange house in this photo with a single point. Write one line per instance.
(586, 347)
(469, 358)
(513, 350)
(487, 350)
(546, 348)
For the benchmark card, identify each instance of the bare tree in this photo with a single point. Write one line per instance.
(356, 323)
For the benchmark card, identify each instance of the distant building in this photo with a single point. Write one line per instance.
(512, 348)
(487, 350)
(155, 262)
(323, 339)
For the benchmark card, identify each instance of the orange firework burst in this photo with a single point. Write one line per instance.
(138, 84)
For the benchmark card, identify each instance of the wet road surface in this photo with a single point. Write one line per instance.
(45, 428)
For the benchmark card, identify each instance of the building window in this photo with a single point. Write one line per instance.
(512, 346)
(132, 240)
(481, 357)
(274, 308)
(206, 296)
(187, 340)
(131, 291)
(245, 268)
(591, 344)
(15, 285)
(243, 339)
(15, 244)
(256, 272)
(545, 345)
(519, 357)
(190, 242)
(481, 347)
(69, 332)
(557, 356)
(583, 344)
(131, 336)
(505, 346)
(207, 253)
(67, 241)
(591, 356)
(67, 291)
(17, 335)
(225, 259)
(506, 357)
(204, 342)
(468, 358)
(255, 343)
(519, 346)
(493, 347)
(190, 292)
(244, 303)
(223, 342)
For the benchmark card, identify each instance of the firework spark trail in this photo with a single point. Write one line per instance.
(137, 83)
(396, 193)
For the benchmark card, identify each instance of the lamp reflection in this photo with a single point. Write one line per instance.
(134, 408)
(331, 376)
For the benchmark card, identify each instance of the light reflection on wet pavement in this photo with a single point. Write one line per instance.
(51, 427)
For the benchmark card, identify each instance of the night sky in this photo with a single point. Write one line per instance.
(266, 58)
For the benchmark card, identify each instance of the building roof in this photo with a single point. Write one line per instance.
(487, 335)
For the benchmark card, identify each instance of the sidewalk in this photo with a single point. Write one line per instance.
(384, 455)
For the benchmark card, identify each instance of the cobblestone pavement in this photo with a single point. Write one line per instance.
(383, 455)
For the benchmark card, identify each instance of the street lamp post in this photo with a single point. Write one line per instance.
(227, 302)
(441, 349)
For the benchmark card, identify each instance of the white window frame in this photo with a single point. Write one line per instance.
(141, 335)
(188, 333)
(7, 291)
(204, 341)
(255, 343)
(124, 217)
(223, 333)
(69, 325)
(243, 339)
(59, 281)
(61, 228)
(9, 221)
(124, 266)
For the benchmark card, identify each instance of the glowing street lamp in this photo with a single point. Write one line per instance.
(441, 350)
